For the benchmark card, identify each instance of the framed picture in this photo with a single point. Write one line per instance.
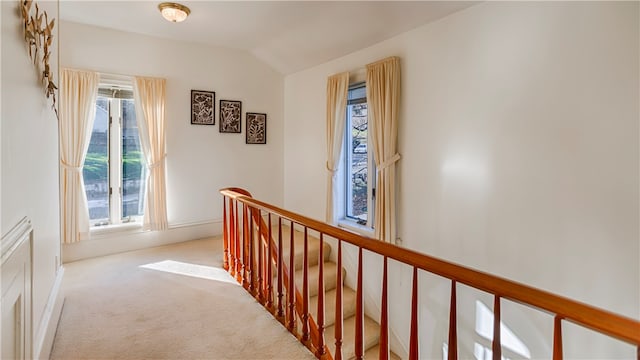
(202, 107)
(230, 116)
(256, 128)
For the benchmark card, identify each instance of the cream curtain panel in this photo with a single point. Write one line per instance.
(78, 92)
(383, 96)
(337, 90)
(149, 96)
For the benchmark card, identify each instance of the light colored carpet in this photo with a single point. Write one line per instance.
(116, 309)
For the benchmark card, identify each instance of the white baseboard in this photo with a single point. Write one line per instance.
(108, 243)
(43, 340)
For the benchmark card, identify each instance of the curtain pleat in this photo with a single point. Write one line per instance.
(383, 96)
(337, 90)
(78, 92)
(149, 95)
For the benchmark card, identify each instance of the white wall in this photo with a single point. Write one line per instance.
(29, 137)
(200, 160)
(519, 138)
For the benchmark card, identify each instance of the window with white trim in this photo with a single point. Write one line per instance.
(114, 172)
(358, 165)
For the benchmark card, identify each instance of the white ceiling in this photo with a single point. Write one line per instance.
(288, 35)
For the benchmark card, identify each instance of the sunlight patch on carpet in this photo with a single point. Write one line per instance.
(193, 270)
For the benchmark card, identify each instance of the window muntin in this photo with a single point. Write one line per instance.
(114, 170)
(358, 161)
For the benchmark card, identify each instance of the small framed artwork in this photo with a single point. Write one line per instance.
(230, 116)
(202, 107)
(256, 128)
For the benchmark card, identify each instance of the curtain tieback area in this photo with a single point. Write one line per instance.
(157, 163)
(392, 160)
(70, 167)
(331, 170)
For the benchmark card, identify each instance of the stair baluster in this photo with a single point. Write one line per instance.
(232, 242)
(237, 242)
(339, 316)
(359, 311)
(384, 317)
(413, 337)
(260, 254)
(320, 348)
(557, 338)
(305, 288)
(280, 313)
(245, 248)
(291, 295)
(269, 267)
(496, 347)
(453, 325)
(252, 264)
(225, 236)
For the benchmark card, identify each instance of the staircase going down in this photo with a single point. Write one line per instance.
(371, 327)
(291, 274)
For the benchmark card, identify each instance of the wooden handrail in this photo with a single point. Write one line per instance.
(602, 321)
(286, 281)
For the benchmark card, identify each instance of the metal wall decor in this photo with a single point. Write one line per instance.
(39, 38)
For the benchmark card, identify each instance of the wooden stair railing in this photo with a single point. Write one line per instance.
(311, 336)
(563, 309)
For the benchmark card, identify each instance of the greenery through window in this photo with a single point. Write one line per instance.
(114, 171)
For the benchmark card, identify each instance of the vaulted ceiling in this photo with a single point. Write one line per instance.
(288, 35)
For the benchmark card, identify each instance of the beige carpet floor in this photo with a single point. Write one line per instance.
(170, 302)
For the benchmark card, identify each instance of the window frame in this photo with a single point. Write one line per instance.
(350, 222)
(115, 160)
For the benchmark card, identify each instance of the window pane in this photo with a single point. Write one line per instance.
(357, 95)
(357, 162)
(96, 164)
(132, 169)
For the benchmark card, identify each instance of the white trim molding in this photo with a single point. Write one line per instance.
(35, 336)
(43, 341)
(12, 240)
(16, 299)
(115, 240)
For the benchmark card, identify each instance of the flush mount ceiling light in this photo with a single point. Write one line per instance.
(174, 12)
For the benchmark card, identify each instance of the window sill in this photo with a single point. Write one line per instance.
(355, 227)
(130, 226)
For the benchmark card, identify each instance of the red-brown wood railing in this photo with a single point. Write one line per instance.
(563, 309)
(287, 304)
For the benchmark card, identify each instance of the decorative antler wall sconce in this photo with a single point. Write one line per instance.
(39, 38)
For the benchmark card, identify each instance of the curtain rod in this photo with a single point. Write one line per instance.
(108, 74)
(115, 76)
(101, 73)
(126, 76)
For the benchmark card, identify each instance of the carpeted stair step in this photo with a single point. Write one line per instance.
(348, 305)
(371, 336)
(313, 245)
(330, 279)
(374, 353)
(330, 270)
(371, 327)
